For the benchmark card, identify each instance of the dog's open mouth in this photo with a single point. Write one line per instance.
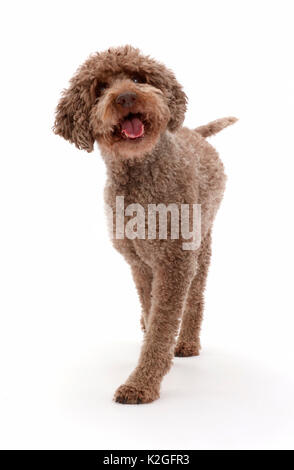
(132, 126)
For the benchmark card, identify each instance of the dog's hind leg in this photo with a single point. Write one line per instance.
(188, 343)
(142, 275)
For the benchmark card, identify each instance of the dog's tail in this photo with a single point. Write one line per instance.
(215, 126)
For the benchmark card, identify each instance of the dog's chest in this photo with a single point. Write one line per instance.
(150, 187)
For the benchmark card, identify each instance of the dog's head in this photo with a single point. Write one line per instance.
(123, 100)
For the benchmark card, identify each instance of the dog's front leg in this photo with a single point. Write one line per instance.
(169, 290)
(142, 275)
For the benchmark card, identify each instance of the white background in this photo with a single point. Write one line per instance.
(69, 312)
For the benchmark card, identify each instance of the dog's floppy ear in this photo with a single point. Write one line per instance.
(177, 105)
(72, 116)
(163, 78)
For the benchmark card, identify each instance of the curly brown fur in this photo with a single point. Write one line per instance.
(161, 162)
(188, 343)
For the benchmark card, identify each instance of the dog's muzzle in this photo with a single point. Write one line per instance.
(127, 99)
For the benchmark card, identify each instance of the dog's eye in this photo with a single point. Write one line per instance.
(138, 78)
(100, 88)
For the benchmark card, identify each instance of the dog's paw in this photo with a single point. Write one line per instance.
(185, 349)
(130, 395)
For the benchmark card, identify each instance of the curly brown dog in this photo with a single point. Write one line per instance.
(134, 108)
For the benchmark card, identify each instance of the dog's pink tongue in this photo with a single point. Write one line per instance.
(132, 128)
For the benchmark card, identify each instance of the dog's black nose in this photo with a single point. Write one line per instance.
(127, 99)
